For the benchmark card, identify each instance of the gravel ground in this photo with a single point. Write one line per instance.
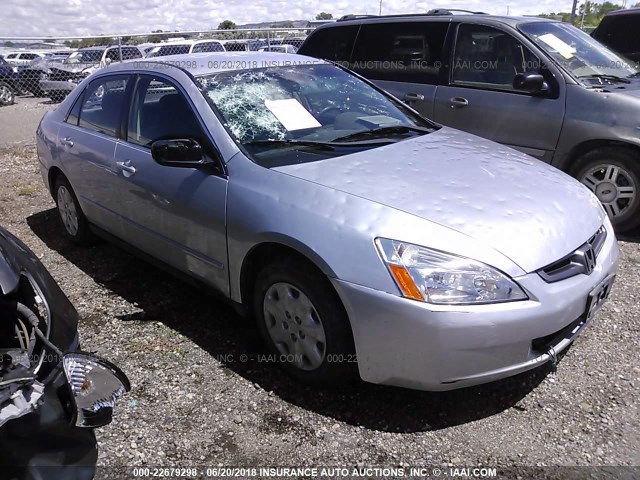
(195, 400)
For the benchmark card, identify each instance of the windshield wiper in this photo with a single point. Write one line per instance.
(283, 143)
(381, 131)
(601, 76)
(634, 75)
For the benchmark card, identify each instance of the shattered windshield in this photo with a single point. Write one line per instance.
(299, 113)
(583, 56)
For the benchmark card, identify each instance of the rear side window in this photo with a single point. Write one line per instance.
(403, 52)
(207, 47)
(130, 52)
(102, 104)
(333, 43)
(28, 56)
(237, 47)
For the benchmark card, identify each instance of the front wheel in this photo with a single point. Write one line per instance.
(613, 174)
(7, 96)
(303, 323)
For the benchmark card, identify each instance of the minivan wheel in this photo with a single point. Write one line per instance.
(303, 323)
(7, 96)
(76, 226)
(613, 174)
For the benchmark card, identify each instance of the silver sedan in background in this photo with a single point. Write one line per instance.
(361, 236)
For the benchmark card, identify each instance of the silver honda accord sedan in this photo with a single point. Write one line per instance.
(362, 237)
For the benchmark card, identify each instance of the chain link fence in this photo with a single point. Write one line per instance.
(52, 68)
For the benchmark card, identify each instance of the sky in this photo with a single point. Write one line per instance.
(59, 18)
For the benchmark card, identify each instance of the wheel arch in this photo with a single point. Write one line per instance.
(568, 164)
(52, 176)
(261, 253)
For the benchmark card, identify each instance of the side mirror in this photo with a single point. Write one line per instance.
(531, 82)
(94, 385)
(183, 152)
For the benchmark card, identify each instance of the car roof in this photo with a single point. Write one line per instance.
(207, 63)
(626, 11)
(432, 17)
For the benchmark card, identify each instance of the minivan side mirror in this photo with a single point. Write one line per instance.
(182, 152)
(531, 82)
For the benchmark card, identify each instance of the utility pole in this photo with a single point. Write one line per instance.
(380, 12)
(573, 11)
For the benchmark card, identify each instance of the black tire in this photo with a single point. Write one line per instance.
(339, 363)
(81, 234)
(596, 165)
(7, 94)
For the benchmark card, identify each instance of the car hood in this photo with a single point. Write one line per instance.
(525, 209)
(73, 68)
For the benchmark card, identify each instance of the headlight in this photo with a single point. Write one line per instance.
(95, 385)
(441, 278)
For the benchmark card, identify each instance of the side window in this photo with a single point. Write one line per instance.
(130, 52)
(113, 54)
(403, 52)
(74, 113)
(28, 56)
(12, 55)
(334, 43)
(485, 56)
(102, 104)
(159, 112)
(207, 47)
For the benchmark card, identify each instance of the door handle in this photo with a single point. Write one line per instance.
(413, 97)
(127, 168)
(67, 141)
(458, 102)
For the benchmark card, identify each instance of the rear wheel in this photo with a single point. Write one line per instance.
(7, 95)
(613, 174)
(303, 323)
(76, 226)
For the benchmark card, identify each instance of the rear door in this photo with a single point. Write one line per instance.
(87, 142)
(405, 59)
(175, 214)
(480, 97)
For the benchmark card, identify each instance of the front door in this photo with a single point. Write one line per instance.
(175, 214)
(481, 99)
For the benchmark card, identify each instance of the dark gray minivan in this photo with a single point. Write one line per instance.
(540, 86)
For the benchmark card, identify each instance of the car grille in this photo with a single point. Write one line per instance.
(582, 260)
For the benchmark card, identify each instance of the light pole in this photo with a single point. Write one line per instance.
(380, 11)
(573, 11)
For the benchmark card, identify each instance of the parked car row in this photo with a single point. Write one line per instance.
(542, 87)
(55, 74)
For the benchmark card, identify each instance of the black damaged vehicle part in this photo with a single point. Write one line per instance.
(49, 389)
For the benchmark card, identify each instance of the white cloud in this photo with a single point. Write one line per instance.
(58, 18)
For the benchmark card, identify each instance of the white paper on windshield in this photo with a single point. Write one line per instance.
(291, 114)
(558, 45)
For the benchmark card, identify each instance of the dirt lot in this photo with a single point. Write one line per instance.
(197, 401)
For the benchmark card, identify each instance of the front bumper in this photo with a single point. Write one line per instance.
(435, 347)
